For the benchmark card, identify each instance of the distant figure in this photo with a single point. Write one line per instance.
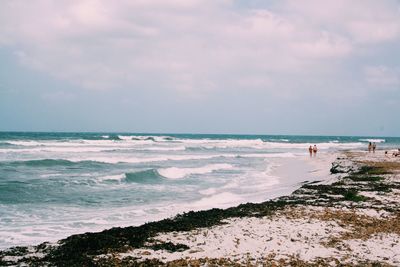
(315, 149)
(369, 147)
(373, 147)
(310, 149)
(396, 154)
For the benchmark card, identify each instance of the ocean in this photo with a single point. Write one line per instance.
(53, 185)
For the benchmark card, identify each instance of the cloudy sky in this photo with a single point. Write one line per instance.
(192, 66)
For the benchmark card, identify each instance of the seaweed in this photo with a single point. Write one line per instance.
(171, 247)
(336, 168)
(364, 178)
(372, 170)
(78, 250)
(352, 195)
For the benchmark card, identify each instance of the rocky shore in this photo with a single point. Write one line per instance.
(350, 219)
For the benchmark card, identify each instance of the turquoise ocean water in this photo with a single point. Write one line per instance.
(56, 184)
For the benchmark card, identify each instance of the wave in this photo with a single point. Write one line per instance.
(57, 149)
(156, 175)
(147, 143)
(177, 148)
(80, 149)
(143, 177)
(228, 143)
(25, 143)
(146, 138)
(50, 162)
(114, 137)
(104, 140)
(282, 140)
(376, 140)
(6, 144)
(123, 137)
(111, 160)
(326, 145)
(44, 162)
(178, 173)
(128, 159)
(204, 144)
(117, 177)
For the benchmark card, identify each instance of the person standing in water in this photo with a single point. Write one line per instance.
(369, 147)
(373, 147)
(310, 149)
(315, 149)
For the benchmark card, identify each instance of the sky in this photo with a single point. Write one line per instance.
(190, 66)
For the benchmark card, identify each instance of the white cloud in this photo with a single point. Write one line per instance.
(190, 46)
(383, 77)
(363, 21)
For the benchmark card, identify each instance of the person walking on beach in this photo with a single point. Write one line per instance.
(369, 147)
(310, 149)
(315, 149)
(373, 147)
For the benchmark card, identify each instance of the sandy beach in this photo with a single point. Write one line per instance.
(350, 217)
(199, 133)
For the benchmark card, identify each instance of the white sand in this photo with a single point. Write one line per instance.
(254, 239)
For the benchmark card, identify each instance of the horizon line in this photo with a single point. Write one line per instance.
(169, 133)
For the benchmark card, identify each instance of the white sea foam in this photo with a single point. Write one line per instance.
(87, 146)
(129, 159)
(145, 144)
(148, 138)
(178, 173)
(327, 145)
(232, 143)
(25, 143)
(268, 155)
(208, 191)
(123, 137)
(160, 148)
(372, 140)
(221, 200)
(47, 175)
(282, 140)
(74, 149)
(259, 144)
(221, 143)
(117, 177)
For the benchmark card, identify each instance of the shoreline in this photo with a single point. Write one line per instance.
(362, 190)
(268, 184)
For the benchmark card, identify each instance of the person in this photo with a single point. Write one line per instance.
(369, 147)
(373, 147)
(310, 149)
(315, 149)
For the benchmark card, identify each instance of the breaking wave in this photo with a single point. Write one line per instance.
(178, 173)
(372, 140)
(150, 176)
